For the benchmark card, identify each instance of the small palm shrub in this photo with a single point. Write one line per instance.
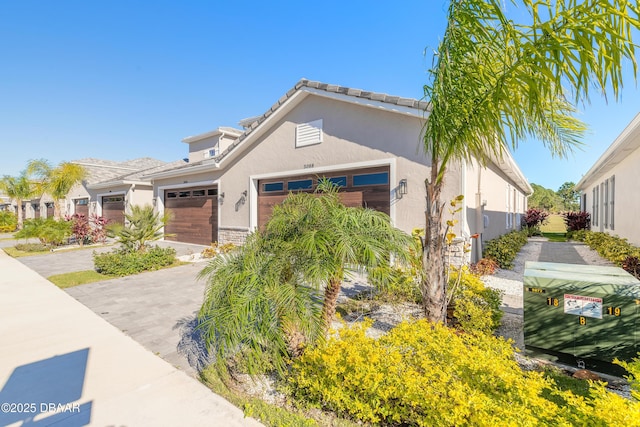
(424, 374)
(505, 248)
(144, 225)
(8, 221)
(123, 262)
(49, 231)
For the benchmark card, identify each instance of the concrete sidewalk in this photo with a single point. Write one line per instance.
(61, 364)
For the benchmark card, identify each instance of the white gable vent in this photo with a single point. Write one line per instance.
(309, 133)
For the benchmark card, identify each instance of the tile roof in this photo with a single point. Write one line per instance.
(99, 170)
(357, 93)
(251, 123)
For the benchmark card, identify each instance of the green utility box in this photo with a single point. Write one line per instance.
(581, 315)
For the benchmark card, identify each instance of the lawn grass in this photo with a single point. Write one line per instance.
(15, 253)
(555, 224)
(68, 280)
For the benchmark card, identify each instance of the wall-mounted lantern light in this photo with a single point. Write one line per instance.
(221, 197)
(402, 188)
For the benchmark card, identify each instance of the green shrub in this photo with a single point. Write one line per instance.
(424, 374)
(505, 248)
(476, 308)
(31, 247)
(613, 248)
(49, 231)
(122, 262)
(8, 221)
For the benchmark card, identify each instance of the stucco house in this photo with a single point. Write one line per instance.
(366, 142)
(609, 190)
(108, 190)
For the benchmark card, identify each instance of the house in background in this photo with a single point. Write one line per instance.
(609, 189)
(368, 143)
(108, 190)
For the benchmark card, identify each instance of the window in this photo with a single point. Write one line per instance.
(302, 184)
(82, 202)
(309, 133)
(212, 152)
(198, 193)
(380, 178)
(212, 192)
(612, 197)
(340, 181)
(273, 186)
(172, 195)
(183, 194)
(595, 205)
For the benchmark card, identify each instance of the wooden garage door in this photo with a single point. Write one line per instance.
(362, 187)
(82, 207)
(194, 215)
(50, 209)
(113, 209)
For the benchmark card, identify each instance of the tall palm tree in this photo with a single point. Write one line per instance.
(58, 181)
(19, 189)
(495, 82)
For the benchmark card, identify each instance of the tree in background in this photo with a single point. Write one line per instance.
(544, 198)
(58, 181)
(495, 82)
(569, 196)
(18, 188)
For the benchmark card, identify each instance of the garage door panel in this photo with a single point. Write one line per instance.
(113, 209)
(192, 219)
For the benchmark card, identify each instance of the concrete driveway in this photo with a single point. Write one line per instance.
(157, 309)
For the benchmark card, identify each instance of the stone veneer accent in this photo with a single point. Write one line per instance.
(456, 254)
(235, 235)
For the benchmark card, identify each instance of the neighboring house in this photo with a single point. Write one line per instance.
(368, 143)
(609, 190)
(108, 190)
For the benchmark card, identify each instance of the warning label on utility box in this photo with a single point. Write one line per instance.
(583, 306)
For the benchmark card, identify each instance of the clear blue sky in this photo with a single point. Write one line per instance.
(124, 79)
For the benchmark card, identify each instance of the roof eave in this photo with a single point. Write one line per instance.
(187, 170)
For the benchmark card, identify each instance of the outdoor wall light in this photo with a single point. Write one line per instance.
(244, 193)
(402, 188)
(221, 197)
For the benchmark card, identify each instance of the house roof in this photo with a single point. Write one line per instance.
(255, 126)
(99, 170)
(627, 142)
(223, 130)
(136, 177)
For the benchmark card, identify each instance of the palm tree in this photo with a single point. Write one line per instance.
(256, 310)
(331, 237)
(143, 226)
(19, 189)
(278, 292)
(495, 82)
(58, 181)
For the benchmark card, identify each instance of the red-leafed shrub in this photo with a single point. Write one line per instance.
(576, 221)
(484, 267)
(80, 228)
(533, 219)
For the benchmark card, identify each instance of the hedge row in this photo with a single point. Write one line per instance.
(504, 249)
(123, 263)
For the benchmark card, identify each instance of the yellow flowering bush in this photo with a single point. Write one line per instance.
(476, 307)
(423, 374)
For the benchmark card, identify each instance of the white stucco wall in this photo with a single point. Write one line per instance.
(623, 181)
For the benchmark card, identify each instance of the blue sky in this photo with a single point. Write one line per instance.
(124, 79)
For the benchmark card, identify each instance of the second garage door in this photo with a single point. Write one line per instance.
(361, 187)
(113, 209)
(194, 215)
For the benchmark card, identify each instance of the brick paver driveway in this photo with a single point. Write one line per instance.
(156, 309)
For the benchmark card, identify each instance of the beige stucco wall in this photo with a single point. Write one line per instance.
(492, 197)
(626, 201)
(353, 137)
(197, 149)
